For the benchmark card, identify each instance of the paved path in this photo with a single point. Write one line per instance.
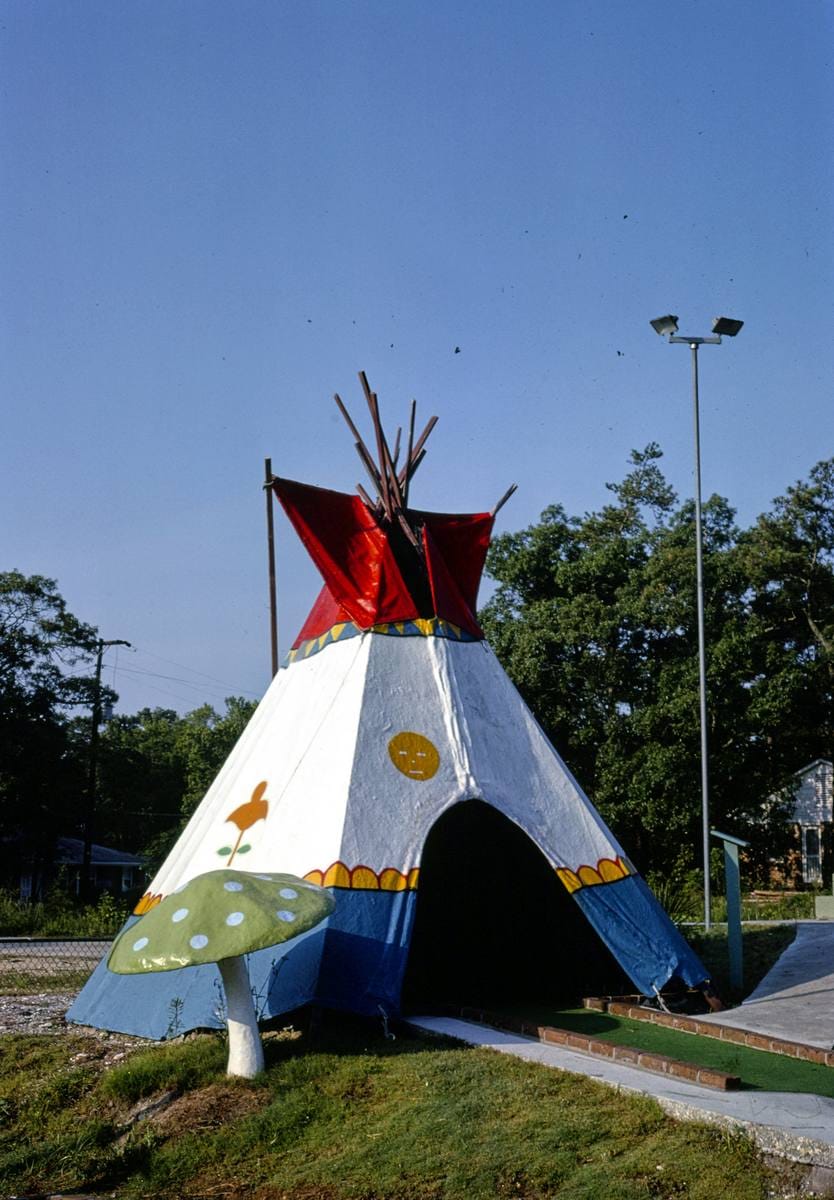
(795, 1000)
(798, 1126)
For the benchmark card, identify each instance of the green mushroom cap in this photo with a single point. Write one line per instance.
(219, 915)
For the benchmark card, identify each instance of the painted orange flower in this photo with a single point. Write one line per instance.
(247, 814)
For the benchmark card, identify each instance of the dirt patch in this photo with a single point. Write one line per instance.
(209, 1108)
(302, 1192)
(211, 1190)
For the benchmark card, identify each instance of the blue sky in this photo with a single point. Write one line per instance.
(215, 214)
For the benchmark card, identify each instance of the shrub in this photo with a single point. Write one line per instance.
(59, 916)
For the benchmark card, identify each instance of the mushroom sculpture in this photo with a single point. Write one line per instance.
(219, 917)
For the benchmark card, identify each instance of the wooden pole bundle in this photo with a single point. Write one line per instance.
(391, 481)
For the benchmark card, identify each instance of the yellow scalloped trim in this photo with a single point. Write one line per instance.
(392, 880)
(607, 870)
(362, 878)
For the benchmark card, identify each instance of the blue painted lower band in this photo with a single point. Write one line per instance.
(355, 961)
(639, 934)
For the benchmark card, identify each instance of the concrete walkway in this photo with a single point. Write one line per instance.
(795, 1000)
(795, 1125)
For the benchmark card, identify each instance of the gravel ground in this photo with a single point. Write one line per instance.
(42, 1012)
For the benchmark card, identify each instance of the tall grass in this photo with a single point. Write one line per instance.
(682, 897)
(59, 916)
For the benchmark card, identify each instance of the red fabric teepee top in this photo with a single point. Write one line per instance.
(371, 575)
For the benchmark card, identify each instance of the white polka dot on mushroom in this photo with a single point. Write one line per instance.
(141, 944)
(233, 886)
(288, 894)
(198, 941)
(284, 914)
(234, 918)
(268, 878)
(180, 914)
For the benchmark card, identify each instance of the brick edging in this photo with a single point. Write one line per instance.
(631, 1056)
(725, 1033)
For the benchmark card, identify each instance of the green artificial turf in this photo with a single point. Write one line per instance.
(758, 1069)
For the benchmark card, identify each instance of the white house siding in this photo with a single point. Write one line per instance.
(814, 794)
(813, 813)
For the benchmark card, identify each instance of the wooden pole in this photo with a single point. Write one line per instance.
(409, 451)
(270, 539)
(416, 455)
(512, 488)
(383, 471)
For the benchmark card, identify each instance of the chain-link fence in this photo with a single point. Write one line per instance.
(53, 964)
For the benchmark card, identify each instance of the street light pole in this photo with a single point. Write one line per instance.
(667, 327)
(702, 651)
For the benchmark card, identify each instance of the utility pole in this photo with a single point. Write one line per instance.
(270, 542)
(86, 863)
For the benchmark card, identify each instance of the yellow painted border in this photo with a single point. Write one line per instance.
(607, 870)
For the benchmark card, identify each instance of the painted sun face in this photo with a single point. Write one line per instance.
(414, 755)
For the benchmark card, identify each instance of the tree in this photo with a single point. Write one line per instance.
(45, 656)
(788, 558)
(155, 767)
(595, 620)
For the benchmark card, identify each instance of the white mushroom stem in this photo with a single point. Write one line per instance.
(246, 1054)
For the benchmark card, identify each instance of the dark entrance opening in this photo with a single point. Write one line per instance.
(495, 924)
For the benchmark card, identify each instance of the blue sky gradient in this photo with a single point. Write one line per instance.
(215, 214)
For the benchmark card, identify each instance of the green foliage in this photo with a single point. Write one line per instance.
(155, 768)
(680, 894)
(45, 656)
(594, 619)
(57, 916)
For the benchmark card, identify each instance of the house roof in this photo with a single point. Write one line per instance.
(817, 762)
(70, 851)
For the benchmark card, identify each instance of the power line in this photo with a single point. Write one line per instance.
(183, 667)
(154, 687)
(177, 679)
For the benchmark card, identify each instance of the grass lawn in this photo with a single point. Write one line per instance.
(348, 1115)
(761, 946)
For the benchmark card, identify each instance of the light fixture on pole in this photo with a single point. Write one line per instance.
(721, 327)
